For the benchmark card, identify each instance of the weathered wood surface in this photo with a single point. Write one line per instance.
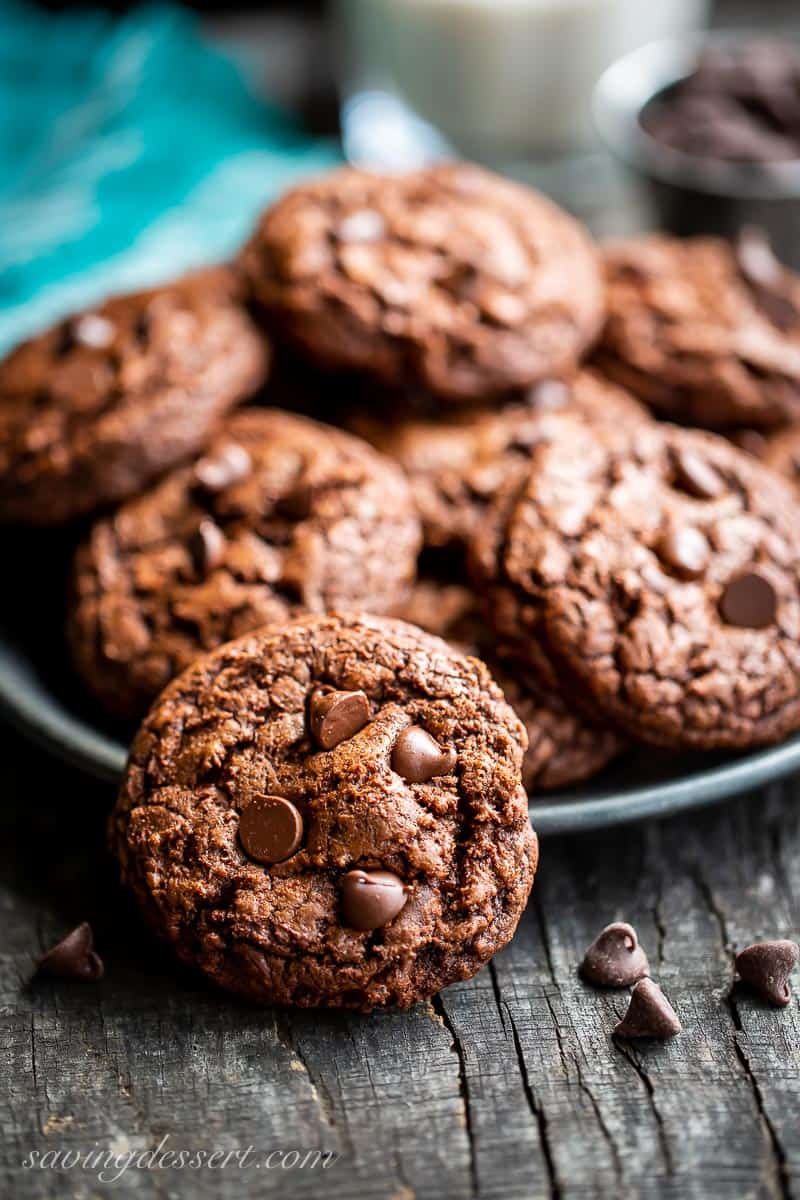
(507, 1086)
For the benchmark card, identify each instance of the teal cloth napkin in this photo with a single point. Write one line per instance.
(129, 151)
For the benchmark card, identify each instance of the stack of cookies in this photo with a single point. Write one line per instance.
(360, 646)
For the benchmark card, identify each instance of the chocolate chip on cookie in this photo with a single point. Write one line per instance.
(450, 279)
(213, 551)
(456, 464)
(294, 873)
(706, 332)
(418, 757)
(270, 829)
(564, 747)
(692, 649)
(96, 408)
(336, 716)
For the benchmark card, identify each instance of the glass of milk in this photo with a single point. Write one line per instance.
(499, 81)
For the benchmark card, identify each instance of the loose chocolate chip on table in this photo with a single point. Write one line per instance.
(270, 829)
(206, 546)
(370, 899)
(697, 477)
(766, 967)
(685, 550)
(336, 716)
(649, 1014)
(418, 757)
(749, 601)
(615, 958)
(230, 465)
(74, 957)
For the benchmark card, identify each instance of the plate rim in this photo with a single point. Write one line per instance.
(28, 705)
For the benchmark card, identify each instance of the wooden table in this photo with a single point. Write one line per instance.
(507, 1086)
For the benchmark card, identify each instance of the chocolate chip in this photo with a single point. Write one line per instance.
(740, 104)
(685, 550)
(615, 958)
(335, 716)
(93, 331)
(370, 899)
(206, 547)
(766, 967)
(749, 601)
(697, 477)
(215, 472)
(74, 957)
(649, 1014)
(270, 829)
(297, 504)
(418, 757)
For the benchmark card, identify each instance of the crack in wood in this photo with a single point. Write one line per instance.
(661, 927)
(601, 1122)
(498, 1000)
(559, 1039)
(463, 1087)
(319, 1088)
(538, 1111)
(663, 1141)
(541, 922)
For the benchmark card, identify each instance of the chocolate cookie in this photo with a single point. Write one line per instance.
(705, 331)
(657, 571)
(456, 465)
(782, 453)
(97, 407)
(330, 814)
(563, 746)
(279, 516)
(449, 279)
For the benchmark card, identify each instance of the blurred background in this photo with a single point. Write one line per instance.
(136, 141)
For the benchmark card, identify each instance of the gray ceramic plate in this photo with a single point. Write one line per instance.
(647, 784)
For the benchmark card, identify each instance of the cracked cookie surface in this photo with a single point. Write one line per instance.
(280, 515)
(98, 406)
(656, 571)
(450, 279)
(701, 332)
(448, 861)
(456, 465)
(564, 747)
(781, 452)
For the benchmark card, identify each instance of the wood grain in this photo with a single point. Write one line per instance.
(507, 1086)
